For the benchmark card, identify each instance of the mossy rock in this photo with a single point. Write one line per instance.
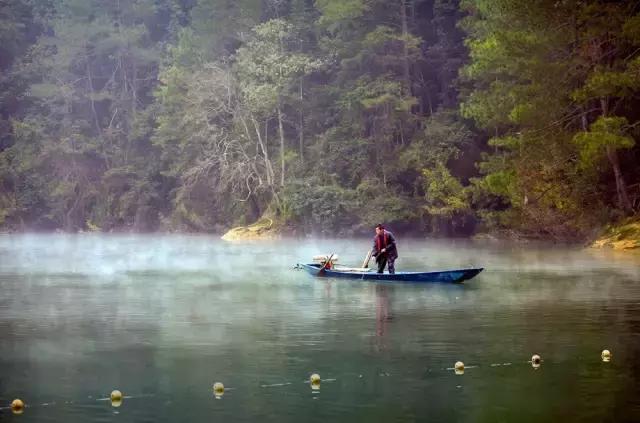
(262, 229)
(624, 236)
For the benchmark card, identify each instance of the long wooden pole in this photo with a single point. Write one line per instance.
(365, 263)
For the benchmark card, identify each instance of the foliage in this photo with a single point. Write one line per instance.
(324, 115)
(605, 134)
(535, 90)
(445, 196)
(317, 207)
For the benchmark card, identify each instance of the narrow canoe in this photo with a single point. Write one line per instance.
(441, 276)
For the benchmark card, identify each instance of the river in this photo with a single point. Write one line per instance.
(163, 317)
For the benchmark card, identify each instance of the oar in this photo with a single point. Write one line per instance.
(321, 271)
(365, 263)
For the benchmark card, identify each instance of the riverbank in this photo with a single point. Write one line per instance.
(622, 236)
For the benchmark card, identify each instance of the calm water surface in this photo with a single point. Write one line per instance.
(162, 318)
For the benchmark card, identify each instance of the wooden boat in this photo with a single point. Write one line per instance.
(369, 274)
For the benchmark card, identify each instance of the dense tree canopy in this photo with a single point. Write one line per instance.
(438, 116)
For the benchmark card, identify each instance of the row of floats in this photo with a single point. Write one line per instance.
(116, 397)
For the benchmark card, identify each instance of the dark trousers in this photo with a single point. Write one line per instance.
(384, 259)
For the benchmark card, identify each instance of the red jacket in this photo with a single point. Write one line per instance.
(387, 241)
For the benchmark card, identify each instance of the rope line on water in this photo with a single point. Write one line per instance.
(116, 398)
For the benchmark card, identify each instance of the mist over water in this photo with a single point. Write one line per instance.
(163, 317)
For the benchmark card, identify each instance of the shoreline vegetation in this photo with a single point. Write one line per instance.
(624, 235)
(445, 119)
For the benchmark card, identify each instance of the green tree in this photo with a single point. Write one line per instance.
(268, 68)
(93, 76)
(529, 86)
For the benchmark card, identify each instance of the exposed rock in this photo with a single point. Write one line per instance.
(262, 229)
(625, 236)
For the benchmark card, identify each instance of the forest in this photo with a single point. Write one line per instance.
(439, 117)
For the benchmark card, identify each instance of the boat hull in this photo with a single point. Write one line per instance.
(450, 276)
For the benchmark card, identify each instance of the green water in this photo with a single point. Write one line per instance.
(162, 318)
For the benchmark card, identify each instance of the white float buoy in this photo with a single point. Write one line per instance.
(459, 367)
(218, 389)
(606, 355)
(535, 361)
(17, 406)
(315, 382)
(116, 398)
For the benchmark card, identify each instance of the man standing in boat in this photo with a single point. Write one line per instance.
(384, 249)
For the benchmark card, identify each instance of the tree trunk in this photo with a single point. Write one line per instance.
(405, 49)
(281, 132)
(621, 186)
(265, 152)
(301, 128)
(95, 115)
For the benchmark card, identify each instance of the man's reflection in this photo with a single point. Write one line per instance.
(383, 315)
